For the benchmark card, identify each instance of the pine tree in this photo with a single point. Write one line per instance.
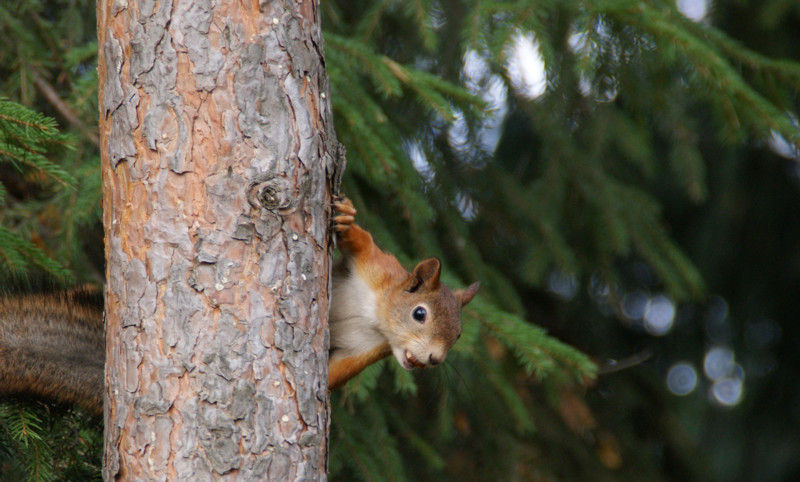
(226, 369)
(629, 177)
(25, 136)
(48, 65)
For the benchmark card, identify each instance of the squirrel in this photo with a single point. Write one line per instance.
(52, 345)
(378, 308)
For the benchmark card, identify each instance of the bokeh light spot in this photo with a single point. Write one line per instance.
(634, 304)
(718, 327)
(526, 67)
(562, 284)
(762, 334)
(718, 363)
(682, 378)
(659, 315)
(693, 9)
(727, 391)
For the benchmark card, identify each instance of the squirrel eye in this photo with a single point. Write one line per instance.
(419, 314)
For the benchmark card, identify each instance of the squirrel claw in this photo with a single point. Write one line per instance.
(342, 222)
(346, 216)
(344, 206)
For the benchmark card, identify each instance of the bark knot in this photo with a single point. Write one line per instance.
(272, 194)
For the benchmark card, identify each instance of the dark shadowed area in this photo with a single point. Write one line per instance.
(622, 177)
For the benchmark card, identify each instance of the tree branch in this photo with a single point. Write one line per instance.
(63, 107)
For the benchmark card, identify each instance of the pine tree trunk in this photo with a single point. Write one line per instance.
(216, 137)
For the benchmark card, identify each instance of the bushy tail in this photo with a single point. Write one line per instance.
(52, 346)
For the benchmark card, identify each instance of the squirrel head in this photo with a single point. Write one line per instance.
(424, 316)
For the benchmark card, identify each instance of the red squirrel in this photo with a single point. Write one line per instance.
(52, 345)
(378, 308)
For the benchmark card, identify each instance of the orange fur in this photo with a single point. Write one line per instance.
(373, 306)
(340, 371)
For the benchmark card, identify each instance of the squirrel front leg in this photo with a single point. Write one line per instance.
(353, 240)
(343, 369)
(376, 267)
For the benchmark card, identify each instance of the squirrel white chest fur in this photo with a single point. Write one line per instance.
(355, 327)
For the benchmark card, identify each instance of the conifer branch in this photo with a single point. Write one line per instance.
(63, 108)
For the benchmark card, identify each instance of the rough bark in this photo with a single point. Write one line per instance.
(216, 138)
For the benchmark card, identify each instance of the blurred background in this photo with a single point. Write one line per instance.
(622, 177)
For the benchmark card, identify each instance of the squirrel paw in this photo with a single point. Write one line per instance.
(346, 216)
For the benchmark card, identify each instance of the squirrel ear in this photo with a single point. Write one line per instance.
(466, 295)
(425, 273)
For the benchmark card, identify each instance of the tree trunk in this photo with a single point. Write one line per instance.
(217, 143)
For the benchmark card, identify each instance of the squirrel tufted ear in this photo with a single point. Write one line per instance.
(466, 295)
(425, 273)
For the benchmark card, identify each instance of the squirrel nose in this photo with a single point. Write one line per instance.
(433, 360)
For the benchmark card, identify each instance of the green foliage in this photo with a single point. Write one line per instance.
(24, 427)
(574, 188)
(40, 444)
(49, 204)
(647, 120)
(25, 137)
(49, 177)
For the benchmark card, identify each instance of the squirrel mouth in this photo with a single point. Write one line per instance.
(413, 361)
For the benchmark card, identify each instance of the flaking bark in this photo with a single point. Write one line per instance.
(216, 139)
